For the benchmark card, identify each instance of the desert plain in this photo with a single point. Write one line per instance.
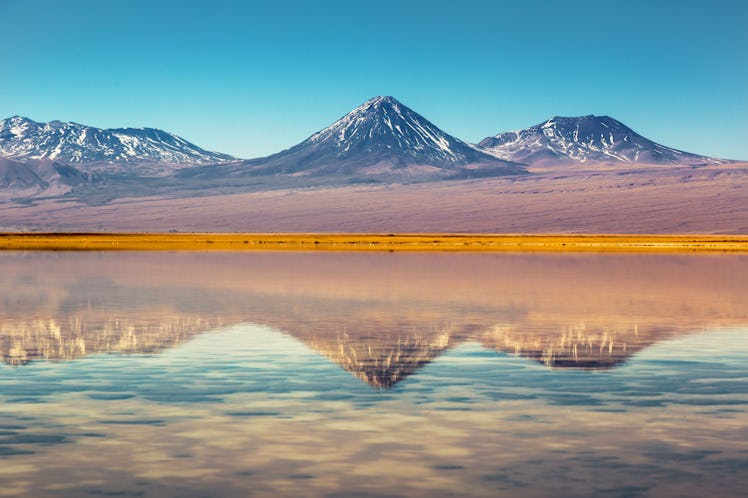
(632, 199)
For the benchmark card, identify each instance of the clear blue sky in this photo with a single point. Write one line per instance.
(251, 78)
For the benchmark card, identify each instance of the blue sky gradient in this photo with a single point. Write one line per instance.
(252, 78)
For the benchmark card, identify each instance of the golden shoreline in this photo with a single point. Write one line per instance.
(370, 242)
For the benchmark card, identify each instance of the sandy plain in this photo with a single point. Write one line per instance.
(569, 200)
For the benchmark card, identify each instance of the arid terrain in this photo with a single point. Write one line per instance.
(620, 199)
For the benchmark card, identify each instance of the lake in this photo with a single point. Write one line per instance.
(230, 374)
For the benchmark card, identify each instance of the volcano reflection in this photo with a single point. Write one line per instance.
(379, 316)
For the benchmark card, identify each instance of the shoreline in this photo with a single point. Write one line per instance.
(371, 242)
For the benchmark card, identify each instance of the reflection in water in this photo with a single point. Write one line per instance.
(492, 375)
(576, 345)
(82, 333)
(379, 316)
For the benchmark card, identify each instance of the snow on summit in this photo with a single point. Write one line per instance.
(73, 143)
(384, 123)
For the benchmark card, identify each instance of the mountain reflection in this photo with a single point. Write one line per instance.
(77, 335)
(577, 345)
(379, 316)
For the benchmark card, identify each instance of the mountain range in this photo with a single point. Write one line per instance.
(380, 142)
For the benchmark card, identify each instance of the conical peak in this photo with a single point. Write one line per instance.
(379, 102)
(385, 132)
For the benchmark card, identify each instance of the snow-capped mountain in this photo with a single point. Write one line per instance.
(73, 143)
(585, 139)
(384, 129)
(381, 140)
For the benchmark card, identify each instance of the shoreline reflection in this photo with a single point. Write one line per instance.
(380, 317)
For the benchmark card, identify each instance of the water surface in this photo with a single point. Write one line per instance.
(321, 374)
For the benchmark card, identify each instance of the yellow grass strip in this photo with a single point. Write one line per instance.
(370, 242)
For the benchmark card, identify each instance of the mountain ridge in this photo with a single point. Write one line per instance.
(86, 147)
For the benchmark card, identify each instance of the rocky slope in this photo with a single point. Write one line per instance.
(42, 176)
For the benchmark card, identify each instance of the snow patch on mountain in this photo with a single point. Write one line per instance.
(384, 123)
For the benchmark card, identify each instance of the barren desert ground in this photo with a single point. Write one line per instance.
(685, 200)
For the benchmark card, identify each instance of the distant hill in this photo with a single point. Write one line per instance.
(34, 177)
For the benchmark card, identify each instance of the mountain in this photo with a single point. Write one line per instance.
(36, 176)
(76, 144)
(585, 139)
(380, 141)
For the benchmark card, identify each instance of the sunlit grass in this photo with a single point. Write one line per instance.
(372, 242)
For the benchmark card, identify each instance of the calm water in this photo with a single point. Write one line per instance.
(228, 374)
